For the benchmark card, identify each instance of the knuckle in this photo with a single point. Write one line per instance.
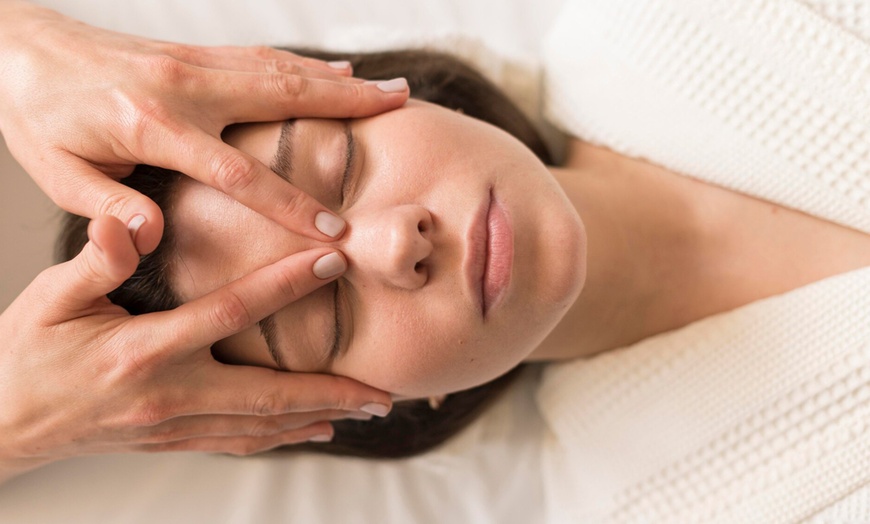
(356, 98)
(291, 205)
(141, 116)
(267, 403)
(168, 69)
(86, 269)
(286, 87)
(265, 428)
(290, 285)
(233, 172)
(285, 67)
(178, 51)
(339, 401)
(138, 364)
(263, 52)
(231, 314)
(149, 413)
(113, 204)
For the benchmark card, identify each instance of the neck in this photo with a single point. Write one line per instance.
(649, 252)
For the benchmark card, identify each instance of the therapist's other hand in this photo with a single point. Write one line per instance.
(80, 376)
(81, 106)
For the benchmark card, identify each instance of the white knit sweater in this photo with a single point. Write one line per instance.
(760, 414)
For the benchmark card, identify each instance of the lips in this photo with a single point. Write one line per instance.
(490, 254)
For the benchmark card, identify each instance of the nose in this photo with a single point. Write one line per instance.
(393, 245)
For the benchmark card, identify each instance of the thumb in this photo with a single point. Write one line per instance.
(107, 260)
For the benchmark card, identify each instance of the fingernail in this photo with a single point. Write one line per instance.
(359, 416)
(134, 225)
(378, 410)
(339, 64)
(329, 265)
(320, 438)
(328, 224)
(395, 85)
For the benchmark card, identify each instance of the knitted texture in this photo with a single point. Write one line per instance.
(759, 414)
(763, 97)
(755, 415)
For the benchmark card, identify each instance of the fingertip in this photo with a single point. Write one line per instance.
(340, 67)
(145, 227)
(330, 225)
(329, 265)
(396, 85)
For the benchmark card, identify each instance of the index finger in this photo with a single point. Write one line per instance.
(244, 302)
(244, 178)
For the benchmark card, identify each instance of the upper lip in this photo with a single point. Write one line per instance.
(476, 251)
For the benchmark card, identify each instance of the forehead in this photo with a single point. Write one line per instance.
(217, 240)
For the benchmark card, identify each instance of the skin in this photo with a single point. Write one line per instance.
(654, 251)
(410, 174)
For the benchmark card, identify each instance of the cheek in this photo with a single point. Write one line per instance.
(416, 354)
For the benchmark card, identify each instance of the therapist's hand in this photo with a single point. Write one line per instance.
(81, 106)
(80, 376)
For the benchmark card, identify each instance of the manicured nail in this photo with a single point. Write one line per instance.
(329, 265)
(378, 410)
(329, 224)
(395, 85)
(320, 438)
(134, 225)
(339, 64)
(359, 416)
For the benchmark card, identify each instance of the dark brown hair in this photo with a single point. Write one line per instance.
(413, 426)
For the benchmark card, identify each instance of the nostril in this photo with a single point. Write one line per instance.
(418, 267)
(421, 227)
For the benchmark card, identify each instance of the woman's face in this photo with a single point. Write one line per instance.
(420, 183)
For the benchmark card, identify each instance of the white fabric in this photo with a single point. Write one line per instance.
(758, 414)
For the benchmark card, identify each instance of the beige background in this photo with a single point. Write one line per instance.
(28, 225)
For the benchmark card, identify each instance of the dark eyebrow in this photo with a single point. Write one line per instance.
(269, 330)
(282, 164)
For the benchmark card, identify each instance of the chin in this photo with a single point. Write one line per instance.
(563, 279)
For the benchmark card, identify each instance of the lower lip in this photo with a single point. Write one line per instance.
(499, 256)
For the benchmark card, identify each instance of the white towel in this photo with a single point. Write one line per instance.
(759, 414)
